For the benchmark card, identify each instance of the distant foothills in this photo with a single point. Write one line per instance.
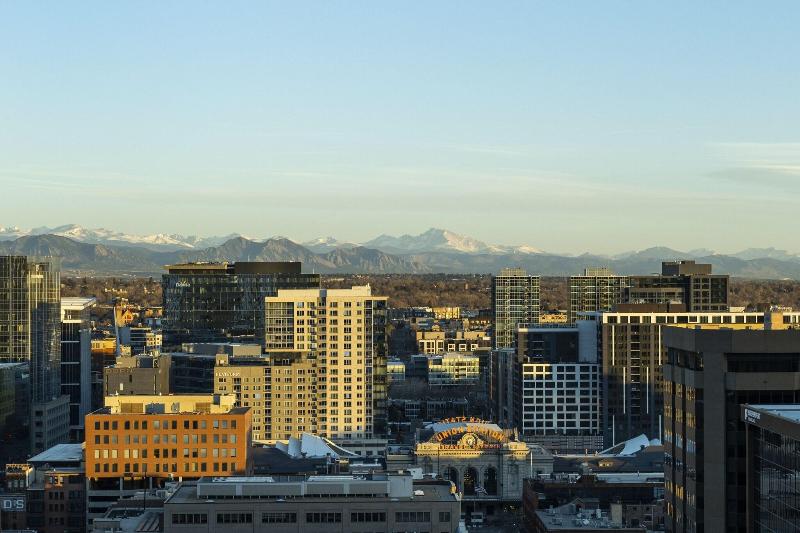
(105, 252)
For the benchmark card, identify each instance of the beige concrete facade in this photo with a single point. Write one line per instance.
(344, 329)
(280, 389)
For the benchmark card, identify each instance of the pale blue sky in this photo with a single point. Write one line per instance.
(570, 126)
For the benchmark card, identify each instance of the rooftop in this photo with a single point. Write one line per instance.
(783, 419)
(790, 412)
(311, 446)
(571, 517)
(60, 453)
(77, 302)
(333, 487)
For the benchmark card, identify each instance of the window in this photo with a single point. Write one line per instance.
(368, 517)
(190, 518)
(412, 516)
(444, 516)
(234, 518)
(279, 518)
(323, 518)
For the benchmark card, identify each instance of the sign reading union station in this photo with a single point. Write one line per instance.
(485, 463)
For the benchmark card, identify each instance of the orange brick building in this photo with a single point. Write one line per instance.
(178, 436)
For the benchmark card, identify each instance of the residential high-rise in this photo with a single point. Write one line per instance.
(598, 289)
(345, 331)
(683, 282)
(30, 331)
(76, 360)
(515, 300)
(556, 386)
(708, 376)
(223, 302)
(280, 388)
(632, 355)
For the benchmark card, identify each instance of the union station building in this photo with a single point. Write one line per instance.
(485, 462)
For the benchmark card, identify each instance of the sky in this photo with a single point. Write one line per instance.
(570, 126)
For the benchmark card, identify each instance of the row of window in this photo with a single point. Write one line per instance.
(165, 452)
(165, 439)
(165, 468)
(166, 424)
(316, 518)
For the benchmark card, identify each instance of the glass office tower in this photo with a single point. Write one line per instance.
(223, 302)
(515, 300)
(30, 320)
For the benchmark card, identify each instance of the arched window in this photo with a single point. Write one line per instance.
(490, 480)
(451, 474)
(470, 481)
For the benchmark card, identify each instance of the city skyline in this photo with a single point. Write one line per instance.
(495, 123)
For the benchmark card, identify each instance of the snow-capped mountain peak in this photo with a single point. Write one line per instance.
(441, 240)
(157, 241)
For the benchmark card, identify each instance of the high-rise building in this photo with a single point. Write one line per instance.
(515, 300)
(598, 289)
(31, 328)
(708, 376)
(501, 386)
(632, 355)
(15, 412)
(30, 331)
(556, 386)
(773, 457)
(223, 302)
(683, 282)
(345, 331)
(280, 388)
(76, 360)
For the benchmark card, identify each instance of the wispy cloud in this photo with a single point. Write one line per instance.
(759, 164)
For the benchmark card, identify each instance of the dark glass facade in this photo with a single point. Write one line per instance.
(685, 282)
(773, 467)
(595, 291)
(776, 483)
(515, 300)
(709, 375)
(223, 302)
(30, 320)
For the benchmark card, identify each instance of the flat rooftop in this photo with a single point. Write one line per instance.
(78, 302)
(789, 412)
(278, 489)
(783, 419)
(60, 453)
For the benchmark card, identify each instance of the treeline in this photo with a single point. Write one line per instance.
(472, 291)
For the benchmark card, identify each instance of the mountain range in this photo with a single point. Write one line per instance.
(105, 252)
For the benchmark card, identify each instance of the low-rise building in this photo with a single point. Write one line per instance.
(56, 498)
(374, 502)
(629, 500)
(140, 442)
(395, 370)
(575, 517)
(453, 370)
(486, 463)
(140, 374)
